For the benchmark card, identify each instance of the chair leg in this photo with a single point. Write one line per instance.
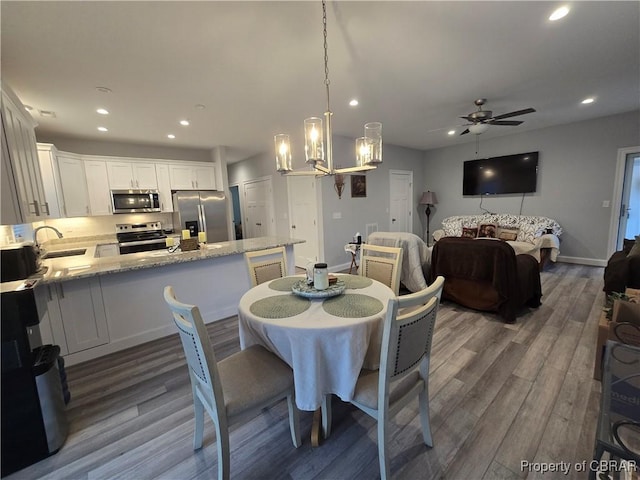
(198, 410)
(222, 446)
(424, 416)
(294, 421)
(326, 415)
(382, 449)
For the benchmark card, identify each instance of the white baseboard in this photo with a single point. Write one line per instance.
(593, 262)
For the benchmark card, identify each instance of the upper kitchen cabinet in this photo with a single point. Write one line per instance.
(164, 187)
(23, 196)
(126, 175)
(199, 176)
(64, 182)
(98, 187)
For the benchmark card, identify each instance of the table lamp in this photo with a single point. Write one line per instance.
(428, 198)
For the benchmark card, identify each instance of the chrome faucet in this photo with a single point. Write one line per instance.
(35, 234)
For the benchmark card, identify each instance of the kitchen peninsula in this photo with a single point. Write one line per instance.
(96, 306)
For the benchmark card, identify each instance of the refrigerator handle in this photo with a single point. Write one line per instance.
(203, 219)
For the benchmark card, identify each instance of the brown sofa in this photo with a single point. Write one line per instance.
(487, 275)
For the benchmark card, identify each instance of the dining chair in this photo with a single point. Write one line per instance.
(404, 367)
(265, 265)
(234, 388)
(382, 264)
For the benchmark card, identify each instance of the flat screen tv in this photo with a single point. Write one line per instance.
(501, 175)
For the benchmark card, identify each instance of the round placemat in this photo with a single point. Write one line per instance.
(283, 284)
(280, 306)
(352, 305)
(356, 281)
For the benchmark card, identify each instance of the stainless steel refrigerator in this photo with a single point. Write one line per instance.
(201, 211)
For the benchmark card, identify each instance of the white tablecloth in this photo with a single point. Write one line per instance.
(325, 351)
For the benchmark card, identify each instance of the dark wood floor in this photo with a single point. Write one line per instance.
(500, 394)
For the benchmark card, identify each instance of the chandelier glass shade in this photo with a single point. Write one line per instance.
(318, 148)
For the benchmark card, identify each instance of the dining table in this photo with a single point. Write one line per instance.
(326, 337)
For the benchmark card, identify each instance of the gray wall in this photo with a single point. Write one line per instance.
(355, 212)
(576, 173)
(116, 149)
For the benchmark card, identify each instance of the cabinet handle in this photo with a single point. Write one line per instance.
(36, 209)
(137, 184)
(49, 292)
(46, 205)
(192, 184)
(87, 208)
(61, 291)
(196, 183)
(131, 182)
(109, 207)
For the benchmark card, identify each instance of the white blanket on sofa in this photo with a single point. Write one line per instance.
(416, 256)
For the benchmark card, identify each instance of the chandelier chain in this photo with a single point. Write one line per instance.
(326, 51)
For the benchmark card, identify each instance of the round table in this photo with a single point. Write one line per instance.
(325, 341)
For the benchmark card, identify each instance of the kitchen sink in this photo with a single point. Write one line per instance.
(64, 253)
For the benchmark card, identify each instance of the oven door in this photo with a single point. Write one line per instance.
(142, 246)
(135, 201)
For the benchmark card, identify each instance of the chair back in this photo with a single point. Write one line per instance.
(265, 265)
(405, 302)
(198, 351)
(406, 342)
(382, 264)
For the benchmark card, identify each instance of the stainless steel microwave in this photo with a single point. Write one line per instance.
(135, 201)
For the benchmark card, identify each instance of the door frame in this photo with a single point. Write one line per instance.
(410, 196)
(616, 201)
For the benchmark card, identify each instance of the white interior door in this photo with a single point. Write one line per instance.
(400, 195)
(303, 218)
(258, 208)
(625, 205)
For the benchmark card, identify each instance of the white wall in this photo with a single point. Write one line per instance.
(576, 172)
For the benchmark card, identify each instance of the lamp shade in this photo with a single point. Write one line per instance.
(478, 128)
(429, 198)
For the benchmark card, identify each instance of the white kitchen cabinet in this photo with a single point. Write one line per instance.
(98, 187)
(164, 187)
(26, 201)
(126, 175)
(192, 177)
(82, 312)
(51, 328)
(51, 179)
(74, 185)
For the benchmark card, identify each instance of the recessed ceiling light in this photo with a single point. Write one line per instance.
(184, 123)
(28, 108)
(103, 111)
(104, 89)
(171, 136)
(353, 103)
(451, 132)
(103, 129)
(199, 107)
(589, 100)
(47, 113)
(559, 13)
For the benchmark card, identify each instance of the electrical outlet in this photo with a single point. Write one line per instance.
(605, 204)
(337, 215)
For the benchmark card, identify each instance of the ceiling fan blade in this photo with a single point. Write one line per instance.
(514, 114)
(465, 132)
(505, 122)
(468, 119)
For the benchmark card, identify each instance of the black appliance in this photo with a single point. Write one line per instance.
(501, 175)
(135, 201)
(18, 261)
(140, 237)
(34, 421)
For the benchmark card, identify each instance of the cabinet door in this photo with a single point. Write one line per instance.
(50, 179)
(144, 175)
(181, 177)
(83, 314)
(164, 187)
(98, 187)
(120, 175)
(74, 186)
(51, 328)
(205, 177)
(18, 130)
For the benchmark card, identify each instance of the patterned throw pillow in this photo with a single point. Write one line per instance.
(528, 233)
(635, 250)
(508, 233)
(469, 232)
(487, 230)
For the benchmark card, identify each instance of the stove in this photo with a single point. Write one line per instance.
(140, 237)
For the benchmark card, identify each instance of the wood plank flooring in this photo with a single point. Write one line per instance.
(499, 394)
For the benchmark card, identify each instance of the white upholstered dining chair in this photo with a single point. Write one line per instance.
(265, 265)
(234, 388)
(404, 366)
(382, 264)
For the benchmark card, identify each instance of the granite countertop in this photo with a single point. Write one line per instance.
(87, 265)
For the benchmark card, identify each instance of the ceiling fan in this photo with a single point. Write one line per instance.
(481, 119)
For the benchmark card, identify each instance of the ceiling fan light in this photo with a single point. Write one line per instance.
(478, 128)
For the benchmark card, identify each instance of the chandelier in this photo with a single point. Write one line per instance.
(317, 138)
